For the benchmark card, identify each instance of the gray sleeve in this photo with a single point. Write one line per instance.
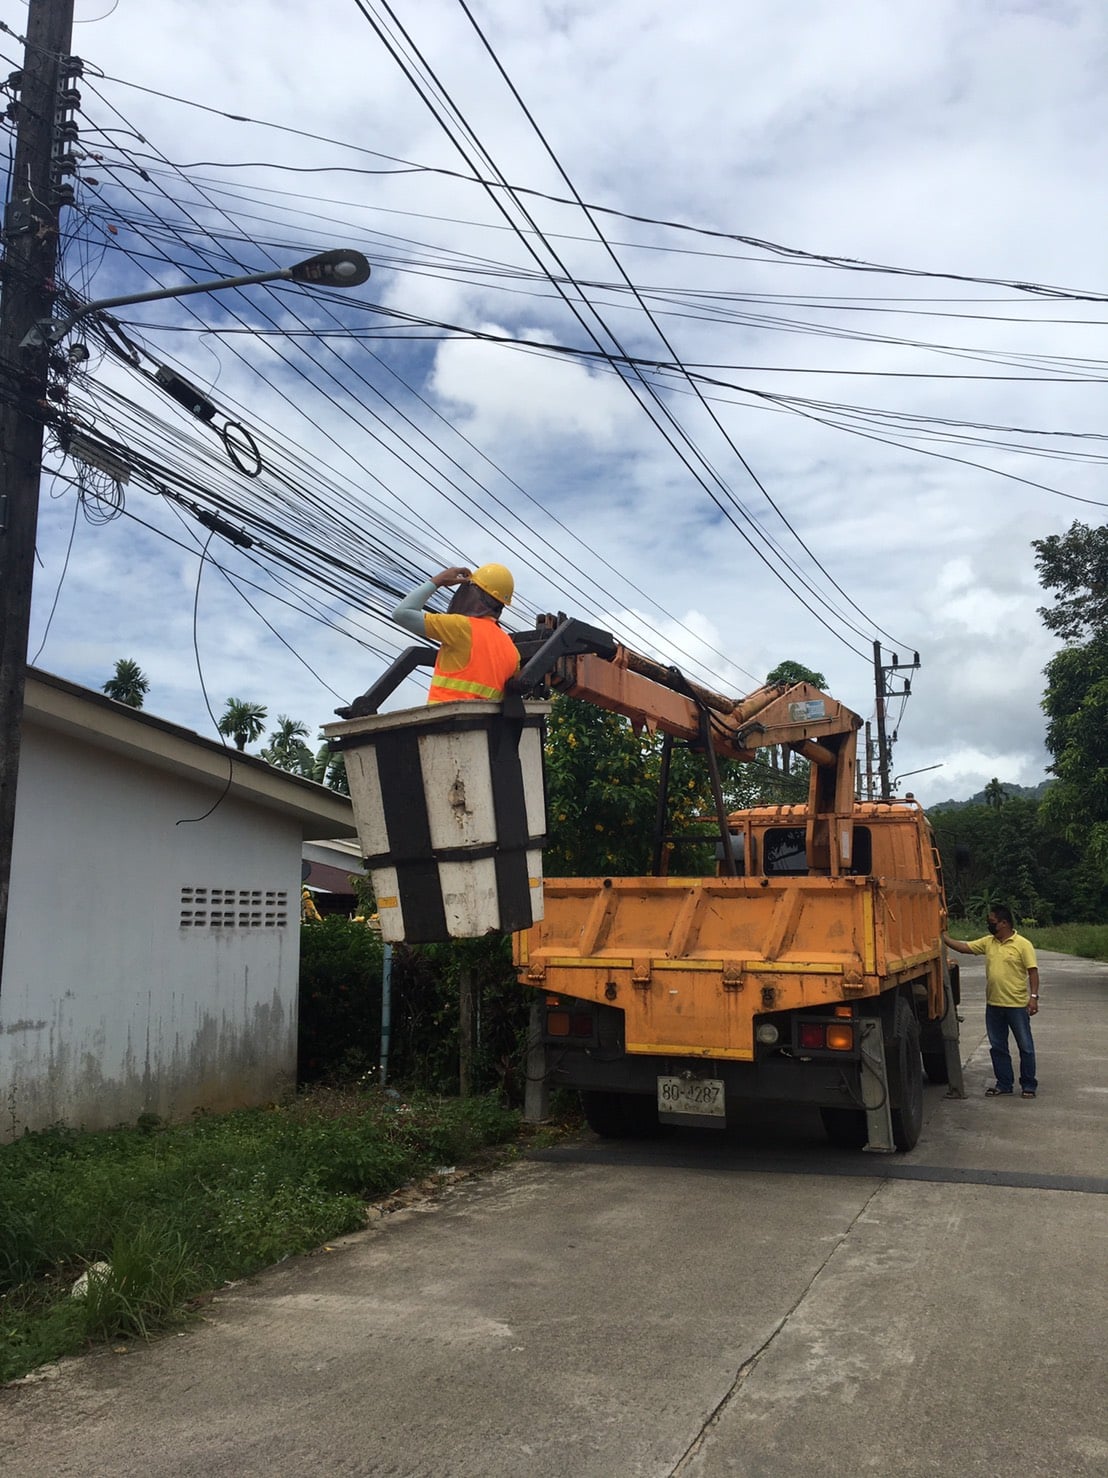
(409, 613)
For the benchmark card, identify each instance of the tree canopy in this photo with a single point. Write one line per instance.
(128, 684)
(796, 672)
(242, 721)
(286, 749)
(602, 784)
(1075, 565)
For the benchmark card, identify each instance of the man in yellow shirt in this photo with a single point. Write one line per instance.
(1011, 998)
(476, 656)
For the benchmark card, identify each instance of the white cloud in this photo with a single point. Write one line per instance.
(962, 138)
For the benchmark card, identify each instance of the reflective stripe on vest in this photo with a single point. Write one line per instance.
(493, 658)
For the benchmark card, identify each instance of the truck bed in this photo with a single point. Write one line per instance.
(692, 961)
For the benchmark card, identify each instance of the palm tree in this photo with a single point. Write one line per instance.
(129, 684)
(243, 722)
(994, 793)
(286, 748)
(328, 768)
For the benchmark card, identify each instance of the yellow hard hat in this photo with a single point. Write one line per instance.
(496, 581)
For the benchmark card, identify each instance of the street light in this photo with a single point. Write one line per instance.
(906, 773)
(339, 268)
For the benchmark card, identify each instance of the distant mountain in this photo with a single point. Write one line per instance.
(1013, 791)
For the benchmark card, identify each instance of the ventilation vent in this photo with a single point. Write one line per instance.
(234, 908)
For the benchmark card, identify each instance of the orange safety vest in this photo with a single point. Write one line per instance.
(493, 659)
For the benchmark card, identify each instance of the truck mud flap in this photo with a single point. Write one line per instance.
(952, 1046)
(875, 1088)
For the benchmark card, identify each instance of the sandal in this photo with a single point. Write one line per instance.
(1028, 1093)
(999, 1093)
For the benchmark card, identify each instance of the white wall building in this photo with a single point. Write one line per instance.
(152, 957)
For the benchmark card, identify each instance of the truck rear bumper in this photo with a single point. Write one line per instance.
(827, 1083)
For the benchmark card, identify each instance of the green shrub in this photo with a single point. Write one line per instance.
(340, 1000)
(341, 966)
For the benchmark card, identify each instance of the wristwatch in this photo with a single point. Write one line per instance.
(1034, 995)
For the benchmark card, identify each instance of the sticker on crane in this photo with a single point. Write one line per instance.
(808, 710)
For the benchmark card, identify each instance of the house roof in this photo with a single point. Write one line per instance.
(328, 865)
(53, 703)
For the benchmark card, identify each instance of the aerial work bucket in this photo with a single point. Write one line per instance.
(451, 815)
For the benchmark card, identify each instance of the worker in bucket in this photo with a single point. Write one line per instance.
(476, 656)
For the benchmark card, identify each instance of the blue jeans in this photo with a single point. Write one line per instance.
(998, 1021)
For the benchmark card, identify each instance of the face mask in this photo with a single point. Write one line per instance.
(991, 926)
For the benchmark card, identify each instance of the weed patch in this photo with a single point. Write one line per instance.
(176, 1210)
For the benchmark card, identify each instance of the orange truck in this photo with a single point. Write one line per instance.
(808, 970)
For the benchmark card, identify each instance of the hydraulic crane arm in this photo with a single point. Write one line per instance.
(567, 656)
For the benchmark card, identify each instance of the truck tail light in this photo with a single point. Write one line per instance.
(562, 1023)
(840, 1037)
(811, 1034)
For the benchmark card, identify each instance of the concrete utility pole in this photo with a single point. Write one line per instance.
(30, 258)
(881, 685)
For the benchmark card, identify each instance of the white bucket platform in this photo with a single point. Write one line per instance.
(450, 808)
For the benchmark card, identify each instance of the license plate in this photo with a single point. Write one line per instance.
(698, 1096)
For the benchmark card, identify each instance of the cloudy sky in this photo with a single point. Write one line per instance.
(729, 453)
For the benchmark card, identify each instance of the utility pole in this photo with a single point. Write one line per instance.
(30, 231)
(881, 673)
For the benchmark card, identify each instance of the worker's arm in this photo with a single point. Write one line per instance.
(958, 945)
(409, 613)
(1033, 982)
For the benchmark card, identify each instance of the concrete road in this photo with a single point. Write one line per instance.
(752, 1303)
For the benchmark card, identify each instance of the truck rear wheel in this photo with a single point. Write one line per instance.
(904, 1066)
(620, 1115)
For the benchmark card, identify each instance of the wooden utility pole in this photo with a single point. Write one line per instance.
(30, 258)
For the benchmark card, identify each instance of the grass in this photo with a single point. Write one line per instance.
(1087, 941)
(177, 1210)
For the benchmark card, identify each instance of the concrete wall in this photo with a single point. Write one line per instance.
(114, 1005)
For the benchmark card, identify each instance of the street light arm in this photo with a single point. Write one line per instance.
(65, 324)
(338, 268)
(906, 773)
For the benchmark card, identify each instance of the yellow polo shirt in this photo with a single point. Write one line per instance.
(1006, 967)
